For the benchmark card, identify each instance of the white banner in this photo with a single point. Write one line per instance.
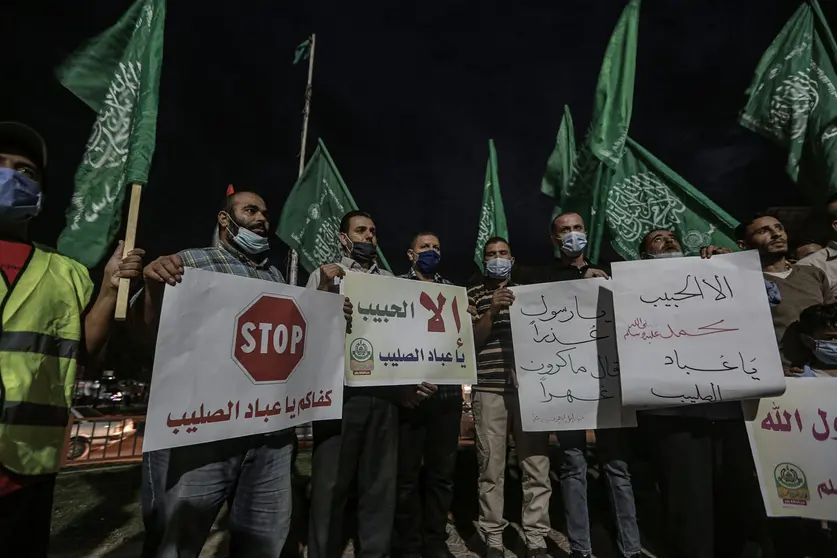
(793, 442)
(565, 356)
(238, 356)
(694, 331)
(408, 332)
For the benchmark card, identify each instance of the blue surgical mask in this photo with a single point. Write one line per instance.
(247, 240)
(428, 261)
(666, 255)
(573, 243)
(826, 352)
(498, 268)
(20, 196)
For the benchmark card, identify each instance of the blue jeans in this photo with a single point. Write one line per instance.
(573, 474)
(184, 489)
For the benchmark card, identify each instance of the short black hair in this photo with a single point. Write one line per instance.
(495, 240)
(420, 234)
(229, 201)
(818, 317)
(831, 211)
(347, 218)
(741, 229)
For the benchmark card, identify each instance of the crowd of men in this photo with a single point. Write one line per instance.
(390, 460)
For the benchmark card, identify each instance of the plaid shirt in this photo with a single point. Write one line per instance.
(446, 392)
(226, 259)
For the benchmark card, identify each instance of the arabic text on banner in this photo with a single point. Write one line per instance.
(694, 331)
(793, 442)
(408, 332)
(565, 355)
(260, 358)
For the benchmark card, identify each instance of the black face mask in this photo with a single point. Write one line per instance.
(364, 252)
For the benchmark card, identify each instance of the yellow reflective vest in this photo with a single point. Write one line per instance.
(40, 340)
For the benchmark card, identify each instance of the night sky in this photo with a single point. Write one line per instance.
(405, 98)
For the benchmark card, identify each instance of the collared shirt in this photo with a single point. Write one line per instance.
(495, 360)
(826, 260)
(445, 392)
(226, 259)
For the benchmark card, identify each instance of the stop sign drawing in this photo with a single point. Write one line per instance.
(270, 336)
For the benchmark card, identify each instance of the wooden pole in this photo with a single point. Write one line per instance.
(130, 241)
(306, 112)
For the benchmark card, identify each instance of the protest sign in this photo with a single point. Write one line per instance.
(407, 332)
(693, 331)
(793, 442)
(565, 355)
(238, 356)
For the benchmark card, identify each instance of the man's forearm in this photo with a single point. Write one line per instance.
(482, 329)
(97, 322)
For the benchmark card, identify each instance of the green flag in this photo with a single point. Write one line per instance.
(117, 74)
(492, 215)
(643, 194)
(310, 220)
(615, 89)
(619, 186)
(559, 167)
(303, 51)
(793, 99)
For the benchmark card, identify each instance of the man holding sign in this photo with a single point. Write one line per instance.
(497, 410)
(701, 456)
(428, 435)
(184, 488)
(363, 446)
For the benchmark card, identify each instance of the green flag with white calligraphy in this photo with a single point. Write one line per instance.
(793, 99)
(117, 74)
(310, 220)
(492, 215)
(618, 185)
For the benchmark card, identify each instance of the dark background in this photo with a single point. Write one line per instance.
(406, 97)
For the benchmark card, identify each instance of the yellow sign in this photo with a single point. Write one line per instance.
(407, 332)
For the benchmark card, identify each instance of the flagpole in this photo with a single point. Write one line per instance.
(306, 112)
(130, 241)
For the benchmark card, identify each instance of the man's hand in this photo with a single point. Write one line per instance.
(501, 300)
(327, 274)
(708, 251)
(348, 310)
(425, 390)
(165, 269)
(412, 396)
(590, 273)
(119, 267)
(794, 372)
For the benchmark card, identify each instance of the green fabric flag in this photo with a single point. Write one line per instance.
(619, 186)
(310, 220)
(559, 167)
(303, 51)
(642, 194)
(615, 89)
(793, 99)
(117, 74)
(492, 215)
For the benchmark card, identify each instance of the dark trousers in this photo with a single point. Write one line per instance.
(428, 434)
(711, 500)
(25, 517)
(358, 452)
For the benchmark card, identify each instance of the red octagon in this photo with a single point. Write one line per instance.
(270, 338)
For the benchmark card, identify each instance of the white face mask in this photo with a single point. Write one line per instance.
(665, 255)
(247, 240)
(573, 243)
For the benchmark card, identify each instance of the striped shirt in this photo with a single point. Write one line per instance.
(445, 392)
(495, 361)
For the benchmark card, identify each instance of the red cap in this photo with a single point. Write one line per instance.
(230, 190)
